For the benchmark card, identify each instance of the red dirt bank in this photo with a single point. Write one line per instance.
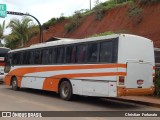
(115, 20)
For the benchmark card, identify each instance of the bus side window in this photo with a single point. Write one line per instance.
(81, 53)
(70, 54)
(37, 57)
(25, 58)
(60, 55)
(16, 58)
(106, 49)
(45, 56)
(92, 52)
(52, 55)
(48, 56)
(30, 56)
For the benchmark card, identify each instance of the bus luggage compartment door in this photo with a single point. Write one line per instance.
(139, 75)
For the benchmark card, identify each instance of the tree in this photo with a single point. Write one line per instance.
(2, 26)
(23, 29)
(11, 41)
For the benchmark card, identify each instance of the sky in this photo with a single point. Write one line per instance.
(44, 10)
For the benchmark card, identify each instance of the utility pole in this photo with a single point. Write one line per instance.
(90, 4)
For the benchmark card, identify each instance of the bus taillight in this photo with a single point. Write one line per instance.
(121, 80)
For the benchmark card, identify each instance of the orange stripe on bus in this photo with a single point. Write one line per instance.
(122, 91)
(54, 68)
(51, 83)
(27, 70)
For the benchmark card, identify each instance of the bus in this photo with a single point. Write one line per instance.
(107, 66)
(3, 52)
(157, 58)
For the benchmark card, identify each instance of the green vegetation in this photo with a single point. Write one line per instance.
(21, 32)
(2, 26)
(12, 41)
(145, 2)
(134, 10)
(53, 21)
(110, 33)
(101, 8)
(74, 23)
(157, 83)
(103, 34)
(135, 14)
(85, 12)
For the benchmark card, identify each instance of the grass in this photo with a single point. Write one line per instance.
(135, 14)
(103, 34)
(74, 22)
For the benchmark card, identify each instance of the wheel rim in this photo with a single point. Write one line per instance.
(65, 90)
(14, 83)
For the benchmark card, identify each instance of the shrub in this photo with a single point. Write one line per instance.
(136, 14)
(157, 83)
(85, 12)
(74, 23)
(99, 13)
(69, 27)
(122, 1)
(101, 8)
(53, 21)
(144, 2)
(103, 34)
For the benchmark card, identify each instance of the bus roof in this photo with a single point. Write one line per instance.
(65, 41)
(4, 48)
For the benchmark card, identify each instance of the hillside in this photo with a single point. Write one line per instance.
(115, 20)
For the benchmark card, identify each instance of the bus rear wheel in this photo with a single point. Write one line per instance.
(14, 84)
(65, 90)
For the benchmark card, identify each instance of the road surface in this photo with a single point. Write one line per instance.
(36, 100)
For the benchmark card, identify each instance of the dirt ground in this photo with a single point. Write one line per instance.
(115, 20)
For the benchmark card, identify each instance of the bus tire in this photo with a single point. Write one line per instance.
(65, 90)
(14, 84)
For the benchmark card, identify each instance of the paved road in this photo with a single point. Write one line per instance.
(35, 100)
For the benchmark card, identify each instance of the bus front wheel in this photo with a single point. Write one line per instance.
(65, 90)
(14, 84)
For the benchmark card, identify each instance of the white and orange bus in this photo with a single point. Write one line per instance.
(106, 66)
(3, 52)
